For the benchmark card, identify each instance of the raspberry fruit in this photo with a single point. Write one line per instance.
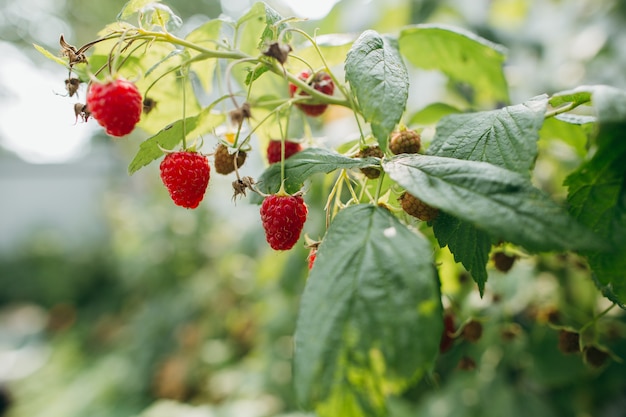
(370, 151)
(569, 342)
(322, 82)
(273, 150)
(283, 218)
(472, 331)
(116, 105)
(417, 208)
(447, 337)
(405, 141)
(594, 356)
(503, 262)
(225, 161)
(186, 177)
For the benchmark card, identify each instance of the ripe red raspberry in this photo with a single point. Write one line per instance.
(322, 82)
(405, 141)
(370, 151)
(116, 105)
(225, 161)
(417, 208)
(186, 177)
(283, 218)
(273, 150)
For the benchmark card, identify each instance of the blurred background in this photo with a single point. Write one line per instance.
(114, 302)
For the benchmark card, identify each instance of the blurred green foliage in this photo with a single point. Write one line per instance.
(181, 314)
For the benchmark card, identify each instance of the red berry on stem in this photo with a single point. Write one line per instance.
(283, 218)
(321, 82)
(186, 177)
(116, 105)
(274, 149)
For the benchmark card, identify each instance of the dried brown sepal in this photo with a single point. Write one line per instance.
(74, 55)
(240, 114)
(370, 151)
(72, 85)
(81, 110)
(241, 185)
(279, 51)
(149, 104)
(417, 208)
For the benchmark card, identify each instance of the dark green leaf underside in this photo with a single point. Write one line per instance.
(498, 201)
(365, 310)
(302, 165)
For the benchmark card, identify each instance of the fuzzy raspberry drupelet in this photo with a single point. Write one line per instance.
(405, 141)
(417, 208)
(283, 218)
(186, 177)
(116, 105)
(273, 150)
(321, 82)
(370, 151)
(225, 161)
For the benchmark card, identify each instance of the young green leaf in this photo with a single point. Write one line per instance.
(168, 138)
(380, 81)
(577, 96)
(506, 137)
(371, 306)
(303, 164)
(461, 55)
(502, 203)
(49, 55)
(469, 245)
(205, 35)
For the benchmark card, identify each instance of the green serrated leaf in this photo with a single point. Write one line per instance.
(168, 139)
(432, 113)
(380, 81)
(469, 245)
(205, 35)
(461, 55)
(370, 317)
(304, 164)
(132, 7)
(597, 194)
(506, 137)
(271, 31)
(500, 202)
(255, 73)
(49, 55)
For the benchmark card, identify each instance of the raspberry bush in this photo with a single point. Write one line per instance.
(406, 199)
